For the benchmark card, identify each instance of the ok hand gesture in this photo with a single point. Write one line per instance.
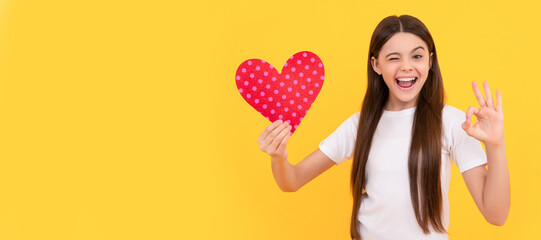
(489, 126)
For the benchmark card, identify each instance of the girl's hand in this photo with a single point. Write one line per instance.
(273, 140)
(489, 126)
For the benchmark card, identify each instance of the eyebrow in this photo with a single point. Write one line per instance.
(396, 53)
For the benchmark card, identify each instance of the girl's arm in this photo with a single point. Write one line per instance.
(290, 178)
(490, 188)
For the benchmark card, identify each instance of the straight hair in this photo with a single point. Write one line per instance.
(424, 161)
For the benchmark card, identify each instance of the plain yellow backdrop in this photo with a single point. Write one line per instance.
(121, 119)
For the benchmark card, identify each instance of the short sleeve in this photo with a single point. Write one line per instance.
(339, 146)
(466, 151)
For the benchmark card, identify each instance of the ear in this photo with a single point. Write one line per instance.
(375, 65)
(430, 61)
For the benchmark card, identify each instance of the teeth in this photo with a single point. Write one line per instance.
(405, 79)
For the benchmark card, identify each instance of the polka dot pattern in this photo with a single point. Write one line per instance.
(295, 88)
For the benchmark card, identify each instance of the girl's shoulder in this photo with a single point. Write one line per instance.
(452, 117)
(452, 113)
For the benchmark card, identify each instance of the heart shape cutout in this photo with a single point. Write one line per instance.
(287, 95)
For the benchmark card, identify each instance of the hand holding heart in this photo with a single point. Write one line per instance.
(489, 126)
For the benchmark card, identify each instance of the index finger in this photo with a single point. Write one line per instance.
(478, 95)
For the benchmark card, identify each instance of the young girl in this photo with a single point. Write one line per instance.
(402, 143)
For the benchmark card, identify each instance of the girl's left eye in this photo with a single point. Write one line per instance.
(418, 56)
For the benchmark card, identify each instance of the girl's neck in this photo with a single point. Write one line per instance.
(399, 106)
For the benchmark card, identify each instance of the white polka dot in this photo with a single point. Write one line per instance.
(305, 112)
(291, 57)
(280, 116)
(293, 69)
(262, 61)
(294, 114)
(288, 121)
(238, 77)
(301, 119)
(274, 79)
(248, 95)
(267, 118)
(286, 109)
(289, 89)
(249, 62)
(308, 79)
(246, 83)
(306, 67)
(281, 84)
(291, 102)
(272, 111)
(266, 74)
(295, 81)
(304, 54)
(275, 91)
(285, 65)
(301, 74)
(310, 92)
(297, 94)
(303, 87)
(257, 68)
(240, 90)
(312, 59)
(271, 67)
(317, 84)
(256, 101)
(251, 75)
(314, 72)
(278, 104)
(299, 62)
(287, 76)
(295, 126)
(254, 88)
(262, 94)
(270, 99)
(300, 107)
(268, 86)
(320, 64)
(305, 99)
(322, 77)
(264, 106)
(260, 81)
(284, 97)
(243, 70)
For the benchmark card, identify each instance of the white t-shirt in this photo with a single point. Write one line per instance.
(386, 210)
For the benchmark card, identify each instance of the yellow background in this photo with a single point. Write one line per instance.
(121, 119)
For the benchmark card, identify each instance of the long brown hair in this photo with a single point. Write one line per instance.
(425, 151)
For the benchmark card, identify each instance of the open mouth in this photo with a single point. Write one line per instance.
(406, 83)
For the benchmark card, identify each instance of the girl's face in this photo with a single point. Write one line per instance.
(404, 62)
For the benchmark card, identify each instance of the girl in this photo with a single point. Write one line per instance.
(403, 141)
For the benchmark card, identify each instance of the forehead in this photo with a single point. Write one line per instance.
(403, 43)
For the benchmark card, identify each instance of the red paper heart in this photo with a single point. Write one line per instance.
(287, 95)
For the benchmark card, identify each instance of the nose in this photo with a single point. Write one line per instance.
(406, 66)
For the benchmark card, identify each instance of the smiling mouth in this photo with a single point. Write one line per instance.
(406, 83)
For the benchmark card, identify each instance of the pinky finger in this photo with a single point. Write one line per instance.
(499, 101)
